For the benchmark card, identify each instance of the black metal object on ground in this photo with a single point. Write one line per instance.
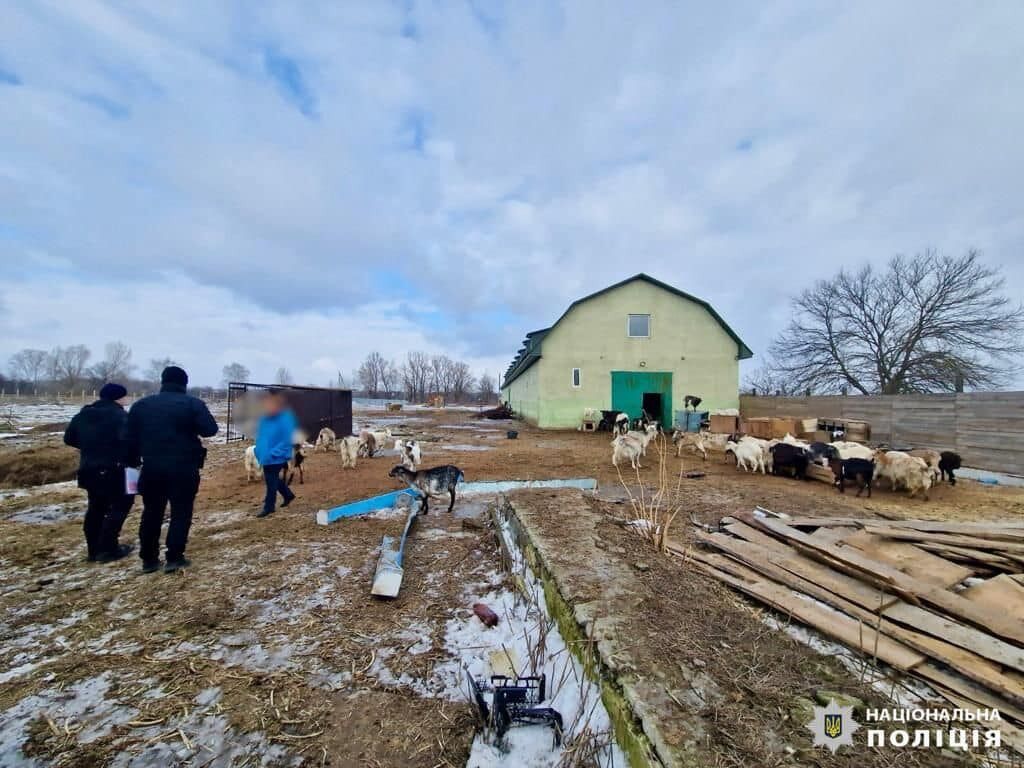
(514, 701)
(315, 408)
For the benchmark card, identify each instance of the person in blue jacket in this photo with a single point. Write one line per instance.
(275, 437)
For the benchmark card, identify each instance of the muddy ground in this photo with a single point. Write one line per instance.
(269, 649)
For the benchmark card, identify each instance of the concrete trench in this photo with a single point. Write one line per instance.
(589, 636)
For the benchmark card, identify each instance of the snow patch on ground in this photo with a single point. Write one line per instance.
(47, 514)
(464, 447)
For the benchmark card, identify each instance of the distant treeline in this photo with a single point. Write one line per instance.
(419, 377)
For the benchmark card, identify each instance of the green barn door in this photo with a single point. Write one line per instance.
(629, 388)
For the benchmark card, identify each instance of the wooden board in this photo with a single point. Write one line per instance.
(834, 534)
(846, 630)
(1000, 593)
(976, 541)
(960, 646)
(1014, 528)
(884, 575)
(911, 560)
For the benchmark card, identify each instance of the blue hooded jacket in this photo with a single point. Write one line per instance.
(274, 437)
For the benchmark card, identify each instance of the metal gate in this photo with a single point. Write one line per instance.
(314, 407)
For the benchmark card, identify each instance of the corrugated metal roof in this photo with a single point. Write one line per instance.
(531, 349)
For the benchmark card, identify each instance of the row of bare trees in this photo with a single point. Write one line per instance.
(68, 368)
(420, 376)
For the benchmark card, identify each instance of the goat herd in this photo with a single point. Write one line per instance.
(437, 481)
(915, 470)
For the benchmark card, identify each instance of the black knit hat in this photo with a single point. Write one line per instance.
(113, 391)
(172, 374)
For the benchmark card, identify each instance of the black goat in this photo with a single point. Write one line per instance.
(859, 470)
(948, 461)
(430, 482)
(790, 457)
(824, 451)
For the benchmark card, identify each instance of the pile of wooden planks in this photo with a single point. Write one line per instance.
(894, 591)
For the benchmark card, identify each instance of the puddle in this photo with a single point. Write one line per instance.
(464, 447)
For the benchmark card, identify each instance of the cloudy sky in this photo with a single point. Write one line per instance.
(299, 183)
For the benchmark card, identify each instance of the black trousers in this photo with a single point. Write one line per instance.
(158, 488)
(108, 507)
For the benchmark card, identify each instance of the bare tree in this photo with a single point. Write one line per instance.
(68, 365)
(29, 365)
(414, 374)
(485, 387)
(234, 372)
(460, 379)
(283, 376)
(156, 367)
(767, 380)
(370, 373)
(925, 323)
(116, 364)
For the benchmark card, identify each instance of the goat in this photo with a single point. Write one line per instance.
(883, 465)
(622, 423)
(252, 464)
(371, 441)
(790, 440)
(691, 402)
(325, 440)
(931, 458)
(295, 463)
(948, 461)
(848, 450)
(409, 450)
(430, 482)
(348, 447)
(823, 453)
(790, 457)
(644, 438)
(748, 455)
(625, 446)
(859, 470)
(689, 439)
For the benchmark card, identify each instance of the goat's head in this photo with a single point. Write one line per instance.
(400, 472)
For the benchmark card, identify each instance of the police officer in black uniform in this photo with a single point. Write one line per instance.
(97, 431)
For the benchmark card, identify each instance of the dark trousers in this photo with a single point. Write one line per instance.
(158, 488)
(274, 475)
(108, 507)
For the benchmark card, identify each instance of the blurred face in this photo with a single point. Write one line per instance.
(273, 404)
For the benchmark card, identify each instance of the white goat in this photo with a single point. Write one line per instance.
(348, 447)
(644, 437)
(931, 458)
(325, 440)
(622, 423)
(692, 440)
(627, 447)
(767, 460)
(848, 450)
(371, 441)
(748, 455)
(409, 451)
(252, 465)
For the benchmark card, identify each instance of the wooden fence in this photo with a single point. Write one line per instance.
(985, 428)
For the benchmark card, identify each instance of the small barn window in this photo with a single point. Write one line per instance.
(576, 377)
(639, 326)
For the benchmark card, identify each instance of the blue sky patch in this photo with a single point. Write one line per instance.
(291, 83)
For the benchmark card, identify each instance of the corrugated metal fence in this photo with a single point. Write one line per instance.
(985, 428)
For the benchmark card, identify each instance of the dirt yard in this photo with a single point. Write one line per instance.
(270, 651)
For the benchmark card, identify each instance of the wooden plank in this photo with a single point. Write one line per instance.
(968, 555)
(911, 560)
(834, 624)
(1010, 734)
(1000, 593)
(965, 660)
(973, 542)
(833, 534)
(951, 681)
(805, 568)
(911, 589)
(953, 632)
(960, 646)
(993, 529)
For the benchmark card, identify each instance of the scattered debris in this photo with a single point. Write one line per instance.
(485, 614)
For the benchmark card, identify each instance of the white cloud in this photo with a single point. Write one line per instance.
(488, 170)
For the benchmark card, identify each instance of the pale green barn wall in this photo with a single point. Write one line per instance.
(593, 338)
(523, 394)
